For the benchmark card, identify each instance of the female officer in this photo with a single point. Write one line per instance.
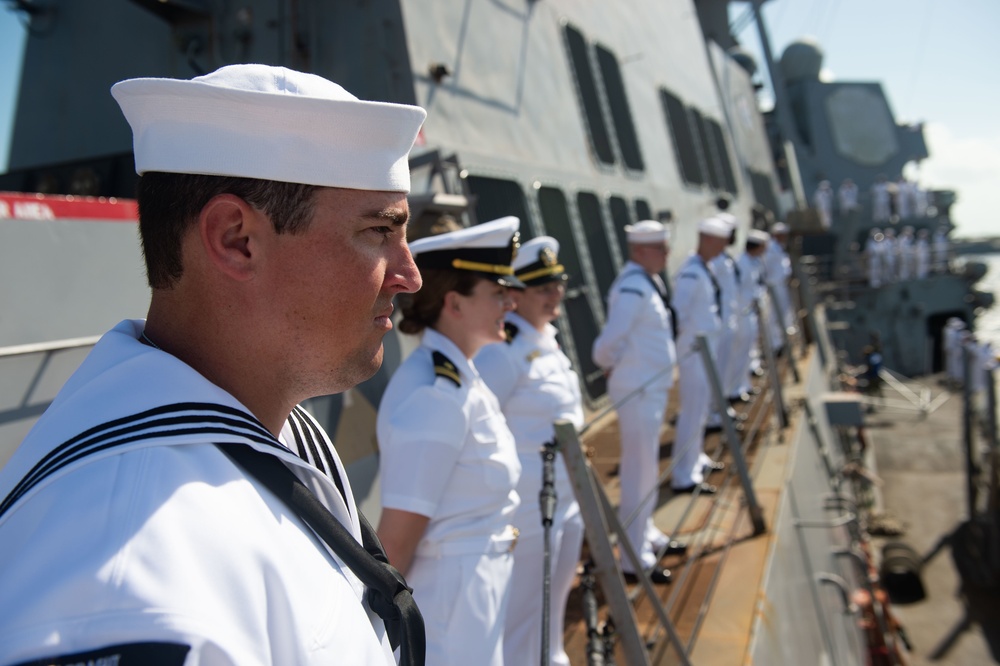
(449, 465)
(536, 386)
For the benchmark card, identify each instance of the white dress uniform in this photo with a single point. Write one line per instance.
(748, 326)
(636, 345)
(696, 302)
(875, 258)
(847, 196)
(881, 209)
(922, 251)
(777, 271)
(536, 386)
(163, 546)
(952, 335)
(730, 363)
(890, 257)
(446, 453)
(823, 201)
(939, 246)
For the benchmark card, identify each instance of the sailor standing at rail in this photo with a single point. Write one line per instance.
(751, 292)
(697, 302)
(777, 271)
(158, 535)
(636, 350)
(881, 200)
(728, 277)
(536, 386)
(875, 257)
(449, 465)
(940, 250)
(890, 256)
(922, 254)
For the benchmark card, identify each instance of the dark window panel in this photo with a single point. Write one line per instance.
(586, 85)
(621, 113)
(683, 137)
(496, 198)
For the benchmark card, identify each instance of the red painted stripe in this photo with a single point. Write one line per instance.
(42, 207)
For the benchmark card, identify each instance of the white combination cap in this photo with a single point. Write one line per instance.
(779, 228)
(487, 249)
(537, 262)
(271, 123)
(647, 232)
(758, 237)
(715, 226)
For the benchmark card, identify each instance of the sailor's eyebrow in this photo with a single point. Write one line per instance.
(395, 216)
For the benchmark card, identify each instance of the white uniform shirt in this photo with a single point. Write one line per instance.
(536, 386)
(446, 451)
(637, 341)
(167, 540)
(696, 303)
(750, 283)
(847, 196)
(728, 278)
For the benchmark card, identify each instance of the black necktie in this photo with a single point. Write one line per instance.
(715, 285)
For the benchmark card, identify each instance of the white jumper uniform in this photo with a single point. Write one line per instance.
(165, 540)
(730, 363)
(536, 386)
(637, 347)
(777, 270)
(446, 453)
(696, 302)
(748, 327)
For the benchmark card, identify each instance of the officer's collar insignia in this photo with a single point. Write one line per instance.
(510, 331)
(443, 367)
(535, 353)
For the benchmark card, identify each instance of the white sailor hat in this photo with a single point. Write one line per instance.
(758, 237)
(487, 249)
(647, 232)
(270, 123)
(537, 262)
(715, 226)
(779, 228)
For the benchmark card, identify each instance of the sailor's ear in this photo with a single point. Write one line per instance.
(229, 230)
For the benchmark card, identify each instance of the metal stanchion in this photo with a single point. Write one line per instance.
(732, 440)
(785, 340)
(547, 503)
(772, 367)
(967, 434)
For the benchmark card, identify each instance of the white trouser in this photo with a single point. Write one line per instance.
(522, 642)
(696, 403)
(728, 360)
(639, 421)
(463, 599)
(743, 341)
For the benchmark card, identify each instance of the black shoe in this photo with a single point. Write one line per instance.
(714, 466)
(742, 397)
(702, 488)
(712, 429)
(658, 575)
(674, 548)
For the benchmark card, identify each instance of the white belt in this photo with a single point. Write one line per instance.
(493, 544)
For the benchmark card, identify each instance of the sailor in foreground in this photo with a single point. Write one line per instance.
(449, 464)
(697, 303)
(141, 522)
(636, 349)
(536, 386)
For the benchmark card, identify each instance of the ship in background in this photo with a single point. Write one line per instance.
(579, 117)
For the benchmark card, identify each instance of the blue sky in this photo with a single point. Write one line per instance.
(938, 62)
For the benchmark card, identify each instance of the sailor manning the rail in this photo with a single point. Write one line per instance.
(751, 294)
(728, 276)
(144, 519)
(697, 303)
(536, 386)
(449, 465)
(636, 349)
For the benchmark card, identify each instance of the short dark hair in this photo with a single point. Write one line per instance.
(423, 309)
(170, 202)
